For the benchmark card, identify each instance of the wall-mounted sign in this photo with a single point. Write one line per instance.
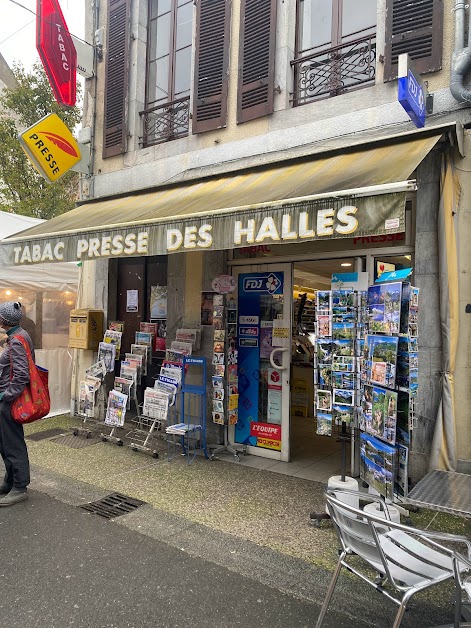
(57, 51)
(349, 281)
(51, 147)
(411, 91)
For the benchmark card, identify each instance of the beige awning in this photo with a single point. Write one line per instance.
(218, 213)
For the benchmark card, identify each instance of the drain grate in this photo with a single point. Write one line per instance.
(75, 442)
(45, 434)
(113, 506)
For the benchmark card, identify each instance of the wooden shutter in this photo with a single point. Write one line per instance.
(116, 78)
(213, 28)
(256, 59)
(415, 27)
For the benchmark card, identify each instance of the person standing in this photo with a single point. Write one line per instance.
(14, 376)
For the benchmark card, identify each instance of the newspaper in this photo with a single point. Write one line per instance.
(107, 353)
(98, 369)
(141, 350)
(129, 371)
(124, 385)
(155, 404)
(116, 410)
(86, 404)
(113, 337)
(183, 347)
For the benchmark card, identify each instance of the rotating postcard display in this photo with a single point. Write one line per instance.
(389, 379)
(339, 327)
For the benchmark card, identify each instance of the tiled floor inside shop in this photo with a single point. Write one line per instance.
(313, 457)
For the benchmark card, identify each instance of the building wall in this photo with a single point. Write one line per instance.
(319, 126)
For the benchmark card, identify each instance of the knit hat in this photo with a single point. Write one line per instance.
(11, 312)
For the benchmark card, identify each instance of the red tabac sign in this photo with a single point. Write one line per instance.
(57, 51)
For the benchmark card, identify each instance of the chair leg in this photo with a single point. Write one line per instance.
(402, 609)
(330, 591)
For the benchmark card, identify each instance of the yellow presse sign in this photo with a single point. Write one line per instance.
(51, 147)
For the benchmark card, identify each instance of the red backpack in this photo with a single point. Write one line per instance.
(34, 402)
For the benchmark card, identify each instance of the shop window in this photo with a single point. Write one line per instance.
(335, 48)
(168, 77)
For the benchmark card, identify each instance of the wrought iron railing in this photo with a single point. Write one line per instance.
(335, 71)
(165, 122)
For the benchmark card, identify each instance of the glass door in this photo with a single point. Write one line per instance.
(263, 330)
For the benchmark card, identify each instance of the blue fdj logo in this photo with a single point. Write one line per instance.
(267, 283)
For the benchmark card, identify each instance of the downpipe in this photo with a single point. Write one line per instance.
(461, 59)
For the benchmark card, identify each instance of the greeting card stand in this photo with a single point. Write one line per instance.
(235, 450)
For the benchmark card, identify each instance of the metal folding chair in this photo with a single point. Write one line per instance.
(407, 559)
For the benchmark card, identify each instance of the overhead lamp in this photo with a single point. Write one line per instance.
(346, 264)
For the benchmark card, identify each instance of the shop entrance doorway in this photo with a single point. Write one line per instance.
(306, 444)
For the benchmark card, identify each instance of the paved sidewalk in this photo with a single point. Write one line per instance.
(241, 517)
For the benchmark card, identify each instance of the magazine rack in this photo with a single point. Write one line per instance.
(90, 424)
(112, 436)
(186, 429)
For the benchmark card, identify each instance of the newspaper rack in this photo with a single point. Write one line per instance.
(186, 428)
(112, 437)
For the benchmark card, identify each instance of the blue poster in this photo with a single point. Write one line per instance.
(251, 287)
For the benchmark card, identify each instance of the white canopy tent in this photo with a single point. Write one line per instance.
(49, 292)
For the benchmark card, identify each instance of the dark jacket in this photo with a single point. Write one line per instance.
(12, 388)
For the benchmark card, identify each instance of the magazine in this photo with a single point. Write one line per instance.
(155, 404)
(174, 356)
(136, 361)
(113, 337)
(116, 410)
(129, 372)
(116, 326)
(189, 335)
(107, 353)
(150, 328)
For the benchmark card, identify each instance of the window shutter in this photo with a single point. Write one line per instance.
(213, 27)
(415, 27)
(256, 59)
(116, 78)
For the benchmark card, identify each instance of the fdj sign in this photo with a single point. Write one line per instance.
(411, 92)
(270, 283)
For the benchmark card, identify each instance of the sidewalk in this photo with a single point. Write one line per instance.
(237, 506)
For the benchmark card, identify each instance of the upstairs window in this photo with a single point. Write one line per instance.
(335, 47)
(169, 60)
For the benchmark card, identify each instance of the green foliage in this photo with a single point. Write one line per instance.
(22, 189)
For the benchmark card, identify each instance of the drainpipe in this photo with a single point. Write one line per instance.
(461, 59)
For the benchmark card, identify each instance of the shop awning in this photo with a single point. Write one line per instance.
(319, 199)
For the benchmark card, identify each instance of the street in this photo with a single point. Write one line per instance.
(61, 566)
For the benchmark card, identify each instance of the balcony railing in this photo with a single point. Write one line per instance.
(165, 122)
(335, 71)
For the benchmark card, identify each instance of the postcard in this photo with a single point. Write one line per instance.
(384, 307)
(218, 323)
(218, 393)
(207, 308)
(324, 424)
(377, 464)
(218, 417)
(218, 382)
(232, 316)
(218, 358)
(233, 389)
(324, 301)
(232, 371)
(382, 354)
(231, 331)
(220, 369)
(233, 416)
(401, 481)
(324, 350)
(383, 421)
(343, 331)
(219, 335)
(218, 406)
(344, 397)
(218, 299)
(342, 347)
(232, 357)
(218, 347)
(324, 326)
(343, 298)
(324, 399)
(325, 374)
(218, 311)
(233, 403)
(343, 414)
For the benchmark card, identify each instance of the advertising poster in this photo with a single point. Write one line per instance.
(132, 300)
(265, 435)
(158, 302)
(266, 332)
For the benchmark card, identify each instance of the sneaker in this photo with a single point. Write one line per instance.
(15, 496)
(5, 488)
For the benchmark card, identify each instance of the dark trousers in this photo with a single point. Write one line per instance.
(13, 448)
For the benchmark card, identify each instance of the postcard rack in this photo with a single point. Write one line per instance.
(186, 428)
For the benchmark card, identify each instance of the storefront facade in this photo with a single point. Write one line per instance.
(273, 187)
